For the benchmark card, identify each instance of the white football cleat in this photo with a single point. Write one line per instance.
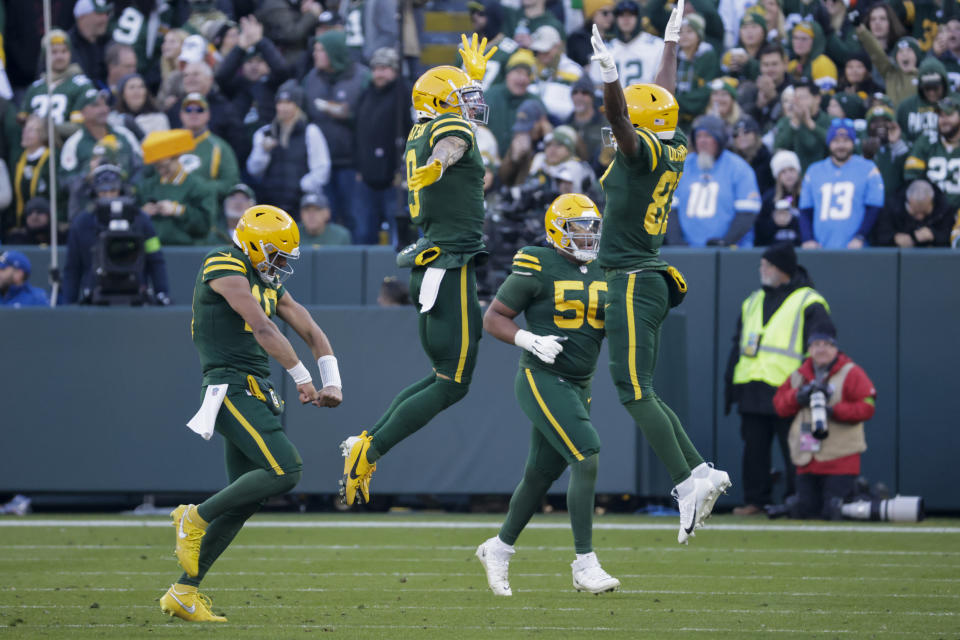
(588, 575)
(494, 555)
(691, 495)
(720, 481)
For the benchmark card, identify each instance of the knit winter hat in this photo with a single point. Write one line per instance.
(783, 256)
(824, 330)
(844, 125)
(784, 159)
(696, 22)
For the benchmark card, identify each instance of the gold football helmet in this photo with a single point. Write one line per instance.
(446, 89)
(652, 107)
(649, 106)
(267, 233)
(573, 226)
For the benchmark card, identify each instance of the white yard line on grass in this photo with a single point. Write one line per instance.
(410, 524)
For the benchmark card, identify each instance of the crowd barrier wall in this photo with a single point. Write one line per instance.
(896, 314)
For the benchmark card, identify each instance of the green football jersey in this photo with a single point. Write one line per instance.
(558, 298)
(62, 101)
(639, 191)
(144, 33)
(451, 209)
(228, 350)
(935, 162)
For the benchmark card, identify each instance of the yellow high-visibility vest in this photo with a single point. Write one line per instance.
(771, 352)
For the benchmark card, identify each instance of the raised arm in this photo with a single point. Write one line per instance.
(446, 153)
(667, 73)
(614, 103)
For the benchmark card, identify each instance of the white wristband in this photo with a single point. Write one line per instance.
(609, 75)
(524, 339)
(329, 372)
(299, 374)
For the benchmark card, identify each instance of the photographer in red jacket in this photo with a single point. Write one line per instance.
(830, 398)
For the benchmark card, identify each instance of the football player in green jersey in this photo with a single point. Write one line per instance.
(561, 292)
(445, 197)
(639, 185)
(238, 288)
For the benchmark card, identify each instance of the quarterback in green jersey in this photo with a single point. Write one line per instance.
(238, 289)
(445, 197)
(639, 186)
(561, 293)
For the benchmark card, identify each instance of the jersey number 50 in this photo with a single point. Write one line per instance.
(655, 222)
(560, 288)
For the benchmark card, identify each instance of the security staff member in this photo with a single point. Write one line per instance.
(768, 346)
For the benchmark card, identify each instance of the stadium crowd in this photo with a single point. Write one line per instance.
(830, 123)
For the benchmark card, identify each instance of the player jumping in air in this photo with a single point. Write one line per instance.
(445, 183)
(641, 287)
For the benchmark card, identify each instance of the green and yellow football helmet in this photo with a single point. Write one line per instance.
(649, 106)
(267, 233)
(652, 107)
(446, 89)
(573, 226)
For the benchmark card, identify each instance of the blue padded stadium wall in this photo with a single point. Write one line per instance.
(96, 399)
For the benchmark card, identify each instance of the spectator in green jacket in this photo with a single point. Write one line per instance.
(917, 115)
(504, 99)
(212, 157)
(804, 128)
(179, 203)
(697, 66)
(900, 74)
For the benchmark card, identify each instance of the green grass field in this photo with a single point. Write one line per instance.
(415, 576)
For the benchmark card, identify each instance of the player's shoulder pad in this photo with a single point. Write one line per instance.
(450, 124)
(227, 260)
(530, 261)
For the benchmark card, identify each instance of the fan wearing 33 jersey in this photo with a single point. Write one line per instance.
(561, 292)
(238, 289)
(67, 86)
(641, 286)
(445, 197)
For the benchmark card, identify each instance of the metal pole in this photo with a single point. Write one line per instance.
(51, 161)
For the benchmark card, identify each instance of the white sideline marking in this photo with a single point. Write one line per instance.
(485, 607)
(409, 589)
(461, 574)
(373, 524)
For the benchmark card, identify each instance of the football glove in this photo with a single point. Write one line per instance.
(608, 68)
(671, 33)
(425, 176)
(547, 348)
(474, 60)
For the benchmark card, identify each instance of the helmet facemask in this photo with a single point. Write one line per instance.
(580, 237)
(269, 270)
(472, 105)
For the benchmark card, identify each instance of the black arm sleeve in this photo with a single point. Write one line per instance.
(740, 225)
(226, 75)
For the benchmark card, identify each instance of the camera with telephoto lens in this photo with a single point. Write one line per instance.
(896, 509)
(818, 413)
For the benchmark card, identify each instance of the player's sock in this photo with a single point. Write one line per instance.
(416, 387)
(580, 492)
(253, 486)
(415, 412)
(690, 453)
(658, 431)
(220, 533)
(525, 501)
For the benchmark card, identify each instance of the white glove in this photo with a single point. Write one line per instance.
(608, 68)
(547, 348)
(671, 33)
